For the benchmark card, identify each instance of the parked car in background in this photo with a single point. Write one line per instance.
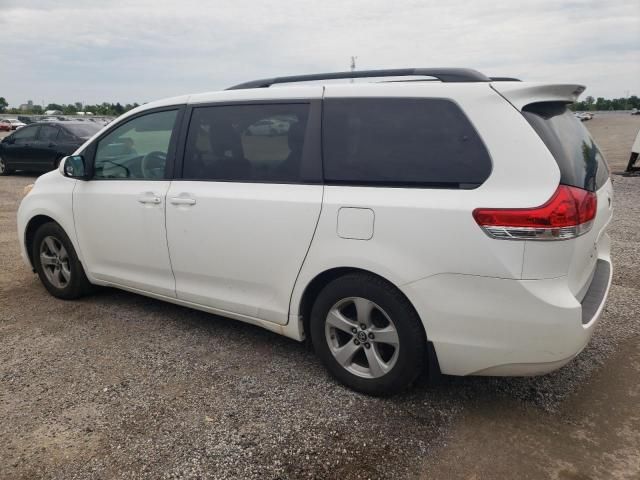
(53, 119)
(635, 111)
(5, 126)
(27, 120)
(583, 116)
(266, 127)
(40, 146)
(456, 226)
(15, 123)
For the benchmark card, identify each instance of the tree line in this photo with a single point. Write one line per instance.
(591, 104)
(105, 108)
(115, 109)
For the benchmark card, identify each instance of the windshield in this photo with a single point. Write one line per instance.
(84, 131)
(580, 161)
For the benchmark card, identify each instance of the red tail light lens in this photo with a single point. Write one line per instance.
(568, 213)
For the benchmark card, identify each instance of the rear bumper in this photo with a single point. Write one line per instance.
(493, 326)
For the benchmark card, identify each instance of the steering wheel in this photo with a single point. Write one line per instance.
(152, 164)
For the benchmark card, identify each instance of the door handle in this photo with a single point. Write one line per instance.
(149, 197)
(183, 200)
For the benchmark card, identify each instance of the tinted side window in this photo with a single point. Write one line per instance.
(66, 136)
(25, 134)
(84, 131)
(48, 133)
(252, 143)
(136, 149)
(580, 161)
(401, 142)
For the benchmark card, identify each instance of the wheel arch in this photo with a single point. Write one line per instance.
(317, 283)
(320, 280)
(32, 227)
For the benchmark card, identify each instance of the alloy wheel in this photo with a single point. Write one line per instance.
(55, 262)
(362, 337)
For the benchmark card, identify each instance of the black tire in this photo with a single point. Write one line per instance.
(395, 308)
(77, 284)
(4, 169)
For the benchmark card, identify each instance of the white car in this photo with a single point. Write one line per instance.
(457, 226)
(583, 116)
(15, 123)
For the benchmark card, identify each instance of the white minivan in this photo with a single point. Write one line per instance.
(456, 224)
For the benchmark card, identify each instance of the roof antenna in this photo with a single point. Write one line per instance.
(353, 65)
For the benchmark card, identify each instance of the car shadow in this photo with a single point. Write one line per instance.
(545, 392)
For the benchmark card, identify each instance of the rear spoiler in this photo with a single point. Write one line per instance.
(520, 94)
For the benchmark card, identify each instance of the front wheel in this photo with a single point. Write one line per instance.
(57, 264)
(368, 335)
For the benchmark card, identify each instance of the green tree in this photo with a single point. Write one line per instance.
(118, 109)
(69, 109)
(3, 104)
(54, 106)
(589, 100)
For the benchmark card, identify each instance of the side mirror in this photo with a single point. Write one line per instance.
(73, 167)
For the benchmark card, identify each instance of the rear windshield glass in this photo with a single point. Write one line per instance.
(83, 131)
(580, 161)
(404, 142)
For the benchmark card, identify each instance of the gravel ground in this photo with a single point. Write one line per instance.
(121, 386)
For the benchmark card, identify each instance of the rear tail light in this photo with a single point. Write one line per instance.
(569, 213)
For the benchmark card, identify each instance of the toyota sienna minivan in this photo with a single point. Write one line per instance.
(456, 224)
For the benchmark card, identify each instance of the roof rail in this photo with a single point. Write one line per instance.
(442, 74)
(504, 79)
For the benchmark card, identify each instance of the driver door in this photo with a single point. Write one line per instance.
(120, 212)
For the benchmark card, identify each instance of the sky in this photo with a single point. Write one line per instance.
(64, 51)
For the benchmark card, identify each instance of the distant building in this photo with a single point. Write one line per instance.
(25, 107)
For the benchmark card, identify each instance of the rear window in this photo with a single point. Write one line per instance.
(84, 131)
(580, 161)
(403, 142)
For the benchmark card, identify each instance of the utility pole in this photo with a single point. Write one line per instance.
(626, 100)
(353, 65)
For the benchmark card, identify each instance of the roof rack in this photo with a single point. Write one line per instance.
(504, 79)
(443, 74)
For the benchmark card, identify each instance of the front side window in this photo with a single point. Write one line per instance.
(401, 142)
(250, 143)
(25, 135)
(137, 149)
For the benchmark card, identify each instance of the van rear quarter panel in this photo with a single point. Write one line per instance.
(420, 232)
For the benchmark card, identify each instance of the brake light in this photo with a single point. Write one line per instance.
(569, 213)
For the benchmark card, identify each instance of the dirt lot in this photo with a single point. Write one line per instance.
(121, 386)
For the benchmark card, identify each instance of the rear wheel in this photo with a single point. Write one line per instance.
(368, 335)
(4, 169)
(57, 264)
